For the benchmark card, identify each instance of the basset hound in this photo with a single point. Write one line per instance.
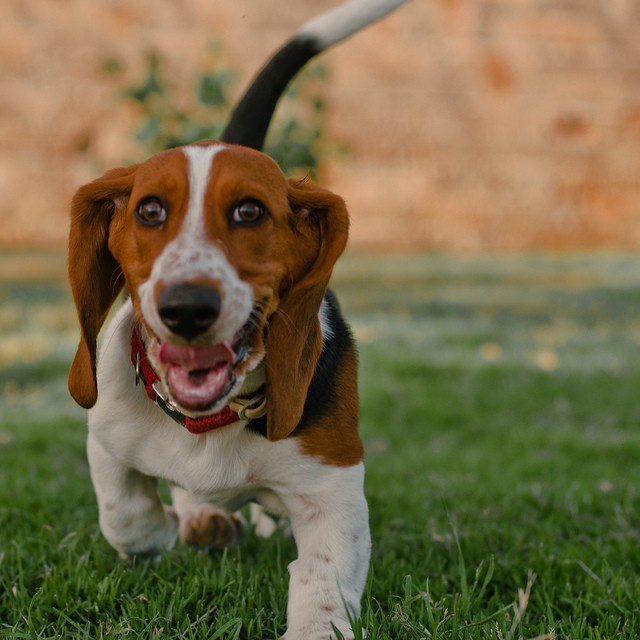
(229, 372)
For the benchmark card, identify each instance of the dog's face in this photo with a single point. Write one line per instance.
(226, 263)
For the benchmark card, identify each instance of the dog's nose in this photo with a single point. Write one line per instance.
(188, 310)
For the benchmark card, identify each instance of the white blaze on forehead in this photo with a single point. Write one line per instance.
(200, 163)
(192, 255)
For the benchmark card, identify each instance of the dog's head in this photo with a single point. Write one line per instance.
(226, 262)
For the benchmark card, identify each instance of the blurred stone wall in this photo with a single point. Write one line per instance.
(472, 125)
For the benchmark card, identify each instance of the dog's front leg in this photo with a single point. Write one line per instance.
(329, 520)
(132, 517)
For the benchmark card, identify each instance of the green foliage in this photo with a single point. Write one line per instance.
(295, 141)
(503, 488)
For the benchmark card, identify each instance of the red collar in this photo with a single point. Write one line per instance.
(146, 374)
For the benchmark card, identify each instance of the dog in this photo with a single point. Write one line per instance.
(229, 372)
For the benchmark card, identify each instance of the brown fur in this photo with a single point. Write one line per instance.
(335, 439)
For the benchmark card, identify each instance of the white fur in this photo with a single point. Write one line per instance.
(132, 442)
(336, 25)
(325, 326)
(200, 164)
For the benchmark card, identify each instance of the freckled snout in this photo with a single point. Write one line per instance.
(188, 310)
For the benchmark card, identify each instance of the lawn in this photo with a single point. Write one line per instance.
(500, 410)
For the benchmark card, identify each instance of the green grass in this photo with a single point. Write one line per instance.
(500, 410)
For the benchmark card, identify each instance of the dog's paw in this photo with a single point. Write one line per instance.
(322, 636)
(210, 528)
(264, 525)
(147, 539)
(320, 627)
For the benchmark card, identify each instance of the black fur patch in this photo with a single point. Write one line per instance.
(322, 395)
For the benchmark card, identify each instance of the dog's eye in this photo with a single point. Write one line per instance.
(151, 212)
(249, 212)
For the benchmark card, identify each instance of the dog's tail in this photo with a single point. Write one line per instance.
(252, 115)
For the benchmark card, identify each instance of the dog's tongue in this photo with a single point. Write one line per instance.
(197, 376)
(197, 358)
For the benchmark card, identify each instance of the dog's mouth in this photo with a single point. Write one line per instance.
(199, 377)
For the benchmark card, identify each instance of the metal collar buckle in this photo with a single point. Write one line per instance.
(249, 408)
(168, 404)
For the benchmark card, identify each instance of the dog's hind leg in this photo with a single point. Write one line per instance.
(203, 524)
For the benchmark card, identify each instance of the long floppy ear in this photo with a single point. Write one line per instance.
(95, 276)
(294, 341)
